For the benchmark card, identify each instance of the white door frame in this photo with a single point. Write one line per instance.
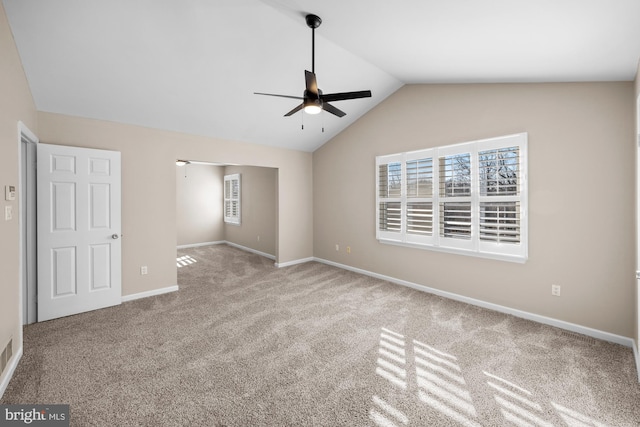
(637, 337)
(27, 142)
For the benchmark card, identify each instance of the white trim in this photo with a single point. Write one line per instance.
(457, 251)
(23, 133)
(244, 248)
(294, 262)
(595, 333)
(637, 357)
(637, 191)
(152, 293)
(23, 130)
(10, 370)
(196, 245)
(226, 242)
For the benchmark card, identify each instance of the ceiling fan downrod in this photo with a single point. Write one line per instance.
(313, 22)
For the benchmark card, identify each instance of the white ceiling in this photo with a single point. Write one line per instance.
(192, 65)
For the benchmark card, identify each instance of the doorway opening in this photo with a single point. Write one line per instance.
(200, 211)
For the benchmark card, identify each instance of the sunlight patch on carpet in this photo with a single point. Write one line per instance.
(441, 385)
(576, 419)
(183, 261)
(383, 412)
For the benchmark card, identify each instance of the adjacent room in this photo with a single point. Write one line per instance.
(201, 218)
(267, 212)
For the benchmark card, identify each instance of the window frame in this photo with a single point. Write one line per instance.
(230, 198)
(475, 245)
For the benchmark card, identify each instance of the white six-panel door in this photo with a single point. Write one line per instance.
(79, 225)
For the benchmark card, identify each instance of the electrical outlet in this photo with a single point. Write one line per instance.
(8, 213)
(143, 270)
(337, 247)
(348, 249)
(258, 238)
(555, 290)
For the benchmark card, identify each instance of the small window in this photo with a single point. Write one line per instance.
(468, 198)
(232, 199)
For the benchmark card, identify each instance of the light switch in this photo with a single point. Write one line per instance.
(9, 192)
(8, 213)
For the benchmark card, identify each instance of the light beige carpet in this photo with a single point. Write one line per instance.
(243, 343)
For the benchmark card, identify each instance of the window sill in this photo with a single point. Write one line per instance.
(487, 255)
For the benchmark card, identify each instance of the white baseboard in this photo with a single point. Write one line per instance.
(196, 245)
(584, 330)
(254, 251)
(151, 293)
(10, 369)
(225, 242)
(294, 262)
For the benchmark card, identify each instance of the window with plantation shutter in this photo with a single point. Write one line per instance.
(468, 198)
(389, 190)
(499, 179)
(455, 196)
(232, 199)
(418, 212)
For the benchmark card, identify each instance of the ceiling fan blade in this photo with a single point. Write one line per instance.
(312, 84)
(281, 96)
(295, 110)
(330, 97)
(333, 110)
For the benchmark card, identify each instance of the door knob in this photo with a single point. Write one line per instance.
(114, 236)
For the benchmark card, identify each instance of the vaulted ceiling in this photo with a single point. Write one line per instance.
(192, 65)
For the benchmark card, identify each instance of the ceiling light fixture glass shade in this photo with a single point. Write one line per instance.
(312, 106)
(182, 162)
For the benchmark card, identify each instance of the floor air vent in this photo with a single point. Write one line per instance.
(7, 352)
(580, 337)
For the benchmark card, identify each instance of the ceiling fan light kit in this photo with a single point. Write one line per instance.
(312, 106)
(313, 100)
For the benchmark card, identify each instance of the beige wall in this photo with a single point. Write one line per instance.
(149, 189)
(199, 204)
(581, 195)
(16, 104)
(257, 229)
